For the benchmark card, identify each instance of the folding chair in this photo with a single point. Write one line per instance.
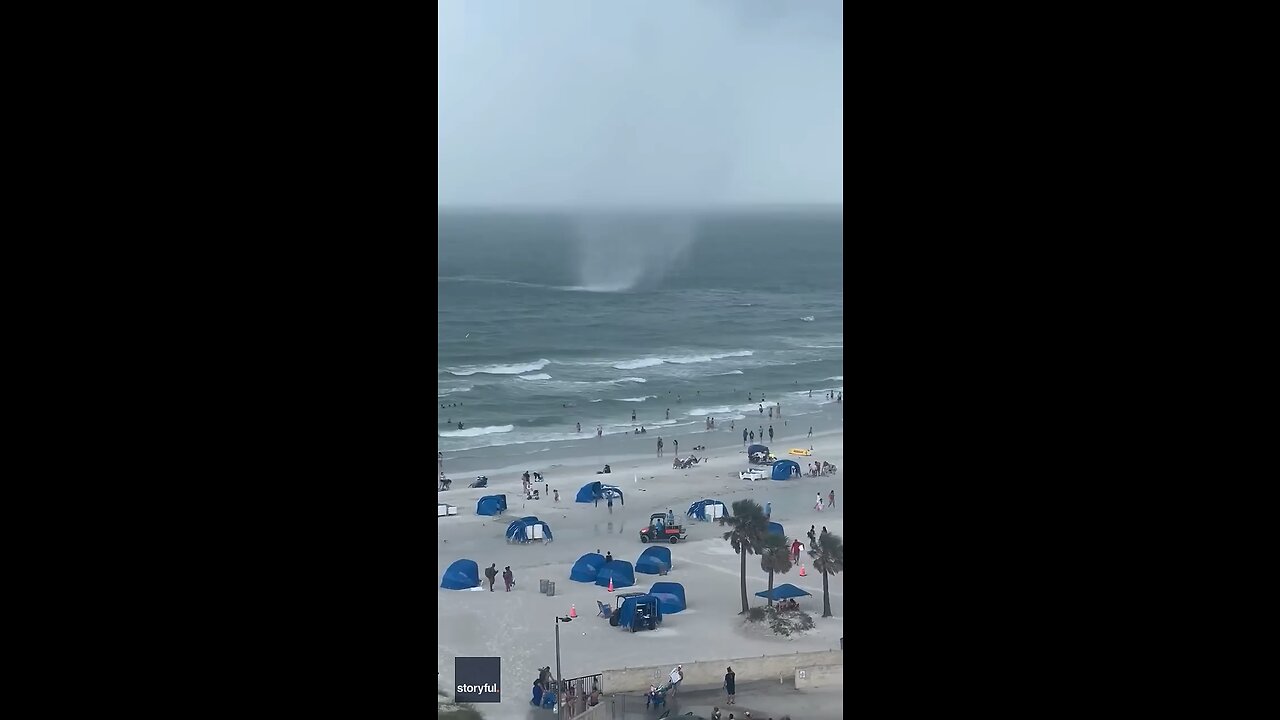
(605, 610)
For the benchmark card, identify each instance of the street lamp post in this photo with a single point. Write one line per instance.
(560, 693)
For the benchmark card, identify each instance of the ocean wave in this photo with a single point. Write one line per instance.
(598, 400)
(631, 379)
(502, 369)
(731, 372)
(637, 399)
(539, 376)
(679, 359)
(837, 377)
(476, 432)
(449, 391)
(640, 363)
(807, 318)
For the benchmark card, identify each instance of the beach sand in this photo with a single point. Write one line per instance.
(519, 626)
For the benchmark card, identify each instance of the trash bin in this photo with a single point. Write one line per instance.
(542, 586)
(551, 588)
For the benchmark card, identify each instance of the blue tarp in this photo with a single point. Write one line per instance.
(653, 559)
(784, 469)
(619, 571)
(672, 596)
(776, 528)
(633, 608)
(784, 591)
(699, 512)
(587, 568)
(592, 490)
(522, 530)
(491, 505)
(461, 575)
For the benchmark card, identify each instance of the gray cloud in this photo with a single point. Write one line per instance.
(557, 102)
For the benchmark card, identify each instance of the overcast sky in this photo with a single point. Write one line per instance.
(640, 102)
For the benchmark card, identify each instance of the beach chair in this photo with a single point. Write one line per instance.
(605, 610)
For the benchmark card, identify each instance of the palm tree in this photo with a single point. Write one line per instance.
(828, 560)
(747, 536)
(775, 557)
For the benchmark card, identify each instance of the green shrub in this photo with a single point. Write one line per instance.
(785, 623)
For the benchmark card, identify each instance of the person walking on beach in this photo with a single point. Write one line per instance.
(668, 413)
(491, 572)
(633, 416)
(598, 431)
(557, 492)
(744, 436)
(610, 504)
(509, 578)
(730, 686)
(761, 407)
(753, 435)
(810, 431)
(579, 427)
(761, 433)
(813, 537)
(770, 433)
(795, 550)
(831, 499)
(818, 505)
(659, 447)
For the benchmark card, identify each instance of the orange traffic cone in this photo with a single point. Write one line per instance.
(573, 611)
(610, 584)
(801, 569)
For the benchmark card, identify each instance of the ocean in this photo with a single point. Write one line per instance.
(550, 319)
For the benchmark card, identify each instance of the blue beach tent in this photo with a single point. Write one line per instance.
(672, 596)
(652, 560)
(619, 571)
(699, 510)
(776, 528)
(593, 490)
(529, 528)
(587, 568)
(491, 505)
(784, 469)
(461, 575)
(632, 614)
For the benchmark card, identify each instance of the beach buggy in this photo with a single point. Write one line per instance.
(660, 530)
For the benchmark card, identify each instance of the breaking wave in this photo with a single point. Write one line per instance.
(679, 359)
(475, 432)
(539, 376)
(502, 369)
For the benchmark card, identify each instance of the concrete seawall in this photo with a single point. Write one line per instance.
(824, 665)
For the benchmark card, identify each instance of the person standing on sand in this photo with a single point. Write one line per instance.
(598, 431)
(610, 504)
(633, 416)
(744, 436)
(810, 431)
(509, 578)
(818, 505)
(730, 686)
(668, 413)
(557, 492)
(770, 413)
(491, 572)
(770, 433)
(659, 447)
(831, 499)
(579, 427)
(752, 434)
(813, 537)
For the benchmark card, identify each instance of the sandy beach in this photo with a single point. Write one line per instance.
(519, 626)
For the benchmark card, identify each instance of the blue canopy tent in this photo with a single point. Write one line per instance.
(619, 571)
(699, 510)
(640, 613)
(776, 528)
(672, 596)
(784, 469)
(461, 575)
(526, 529)
(587, 568)
(491, 505)
(653, 560)
(783, 592)
(598, 490)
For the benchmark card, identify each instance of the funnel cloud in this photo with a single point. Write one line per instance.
(562, 103)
